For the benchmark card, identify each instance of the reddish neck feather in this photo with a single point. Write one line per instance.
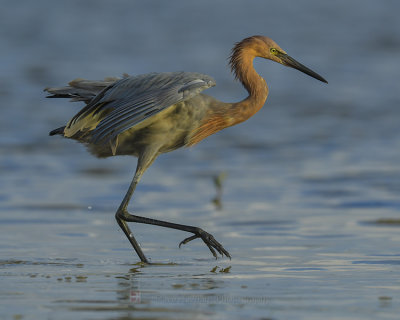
(224, 115)
(241, 62)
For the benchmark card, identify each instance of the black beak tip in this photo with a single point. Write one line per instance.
(313, 74)
(323, 80)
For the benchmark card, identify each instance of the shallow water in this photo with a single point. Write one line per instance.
(308, 204)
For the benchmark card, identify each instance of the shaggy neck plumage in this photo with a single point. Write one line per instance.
(241, 63)
(228, 114)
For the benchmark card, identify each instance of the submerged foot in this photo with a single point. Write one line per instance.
(210, 241)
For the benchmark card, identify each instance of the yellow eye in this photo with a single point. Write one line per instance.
(273, 51)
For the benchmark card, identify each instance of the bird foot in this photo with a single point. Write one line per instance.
(210, 242)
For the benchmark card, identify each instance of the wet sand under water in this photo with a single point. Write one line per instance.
(305, 262)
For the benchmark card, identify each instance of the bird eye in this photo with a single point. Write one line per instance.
(273, 51)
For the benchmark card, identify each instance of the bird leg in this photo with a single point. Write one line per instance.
(123, 216)
(207, 238)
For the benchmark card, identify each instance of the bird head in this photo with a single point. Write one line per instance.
(264, 47)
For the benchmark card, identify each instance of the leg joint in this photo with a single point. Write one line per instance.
(121, 214)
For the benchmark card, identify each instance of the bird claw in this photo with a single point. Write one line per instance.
(212, 244)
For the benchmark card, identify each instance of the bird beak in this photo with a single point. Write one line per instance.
(290, 62)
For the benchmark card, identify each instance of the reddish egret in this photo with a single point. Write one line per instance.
(150, 114)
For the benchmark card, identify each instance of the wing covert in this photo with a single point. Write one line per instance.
(131, 100)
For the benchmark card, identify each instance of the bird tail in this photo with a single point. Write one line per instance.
(57, 131)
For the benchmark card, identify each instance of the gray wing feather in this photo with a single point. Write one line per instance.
(135, 99)
(81, 89)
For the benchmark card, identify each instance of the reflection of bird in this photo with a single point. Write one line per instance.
(155, 113)
(218, 181)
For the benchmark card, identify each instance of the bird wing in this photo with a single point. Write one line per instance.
(131, 100)
(81, 89)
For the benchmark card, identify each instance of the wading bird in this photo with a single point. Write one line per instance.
(150, 114)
